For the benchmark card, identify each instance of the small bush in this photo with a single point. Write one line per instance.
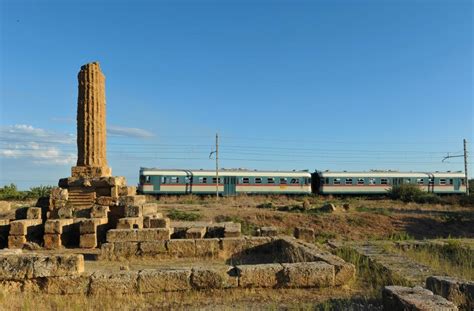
(175, 214)
(405, 192)
(429, 198)
(265, 205)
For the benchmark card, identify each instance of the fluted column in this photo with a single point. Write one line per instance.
(91, 128)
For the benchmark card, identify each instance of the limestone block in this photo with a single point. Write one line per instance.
(90, 225)
(268, 231)
(149, 222)
(153, 248)
(264, 275)
(122, 235)
(255, 241)
(230, 246)
(11, 287)
(122, 282)
(5, 206)
(308, 274)
(181, 248)
(57, 226)
(127, 191)
(149, 209)
(305, 234)
(25, 226)
(155, 281)
(207, 247)
(58, 193)
(125, 249)
(106, 201)
(16, 241)
(66, 211)
(52, 241)
(107, 251)
(196, 233)
(133, 211)
(232, 230)
(460, 292)
(160, 222)
(215, 231)
(214, 277)
(67, 285)
(82, 172)
(88, 240)
(57, 265)
(100, 211)
(132, 200)
(416, 298)
(5, 222)
(153, 234)
(26, 266)
(130, 223)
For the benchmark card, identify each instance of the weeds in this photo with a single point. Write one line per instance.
(175, 214)
(247, 227)
(400, 236)
(374, 210)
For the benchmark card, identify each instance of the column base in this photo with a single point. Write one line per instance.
(90, 171)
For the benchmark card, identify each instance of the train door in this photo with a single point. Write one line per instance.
(230, 183)
(457, 184)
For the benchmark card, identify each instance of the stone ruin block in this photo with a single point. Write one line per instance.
(207, 248)
(16, 241)
(308, 274)
(25, 226)
(263, 275)
(130, 223)
(125, 249)
(33, 213)
(215, 230)
(106, 201)
(214, 277)
(416, 298)
(182, 248)
(127, 190)
(137, 235)
(106, 283)
(268, 231)
(141, 210)
(88, 240)
(150, 222)
(155, 281)
(4, 229)
(460, 292)
(229, 246)
(27, 266)
(100, 211)
(196, 233)
(160, 222)
(67, 285)
(232, 230)
(153, 248)
(132, 200)
(305, 234)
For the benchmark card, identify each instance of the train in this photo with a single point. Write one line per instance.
(229, 182)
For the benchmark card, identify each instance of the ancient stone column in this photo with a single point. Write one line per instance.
(91, 130)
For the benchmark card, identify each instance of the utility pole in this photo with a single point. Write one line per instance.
(466, 176)
(465, 166)
(217, 167)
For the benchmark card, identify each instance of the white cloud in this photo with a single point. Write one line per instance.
(36, 145)
(128, 132)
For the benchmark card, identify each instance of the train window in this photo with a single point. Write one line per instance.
(188, 179)
(174, 180)
(327, 180)
(163, 180)
(322, 181)
(407, 180)
(258, 180)
(431, 181)
(451, 181)
(295, 181)
(245, 180)
(203, 180)
(214, 180)
(271, 180)
(337, 181)
(147, 179)
(348, 181)
(283, 181)
(307, 181)
(462, 181)
(420, 181)
(360, 181)
(371, 181)
(384, 181)
(442, 181)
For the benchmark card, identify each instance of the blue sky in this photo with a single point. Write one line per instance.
(341, 85)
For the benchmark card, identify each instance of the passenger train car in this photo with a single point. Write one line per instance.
(379, 182)
(231, 182)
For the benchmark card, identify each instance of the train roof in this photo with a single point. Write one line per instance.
(390, 174)
(222, 172)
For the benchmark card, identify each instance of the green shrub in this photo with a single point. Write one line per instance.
(429, 198)
(175, 214)
(11, 192)
(405, 192)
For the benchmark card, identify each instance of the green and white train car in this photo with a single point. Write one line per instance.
(379, 182)
(231, 182)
